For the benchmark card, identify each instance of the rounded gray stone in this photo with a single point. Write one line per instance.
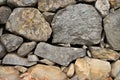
(11, 42)
(112, 29)
(77, 24)
(29, 23)
(21, 3)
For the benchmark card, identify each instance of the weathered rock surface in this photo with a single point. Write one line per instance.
(11, 42)
(103, 6)
(32, 57)
(115, 72)
(53, 5)
(104, 54)
(92, 69)
(8, 73)
(25, 48)
(2, 2)
(43, 72)
(71, 70)
(21, 3)
(2, 51)
(112, 29)
(48, 62)
(21, 68)
(77, 24)
(87, 0)
(48, 16)
(60, 55)
(29, 23)
(13, 59)
(4, 14)
(115, 3)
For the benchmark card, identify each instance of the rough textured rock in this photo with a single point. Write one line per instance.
(71, 70)
(2, 51)
(21, 3)
(43, 72)
(104, 54)
(103, 6)
(4, 14)
(29, 23)
(2, 2)
(112, 29)
(13, 59)
(21, 68)
(32, 57)
(92, 69)
(77, 24)
(11, 42)
(115, 3)
(115, 72)
(25, 48)
(53, 5)
(60, 55)
(8, 73)
(87, 0)
(48, 16)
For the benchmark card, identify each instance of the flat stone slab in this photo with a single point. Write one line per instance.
(60, 55)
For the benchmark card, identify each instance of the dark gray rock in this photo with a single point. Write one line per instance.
(11, 42)
(13, 59)
(60, 55)
(25, 48)
(2, 2)
(21, 3)
(1, 31)
(77, 24)
(112, 29)
(53, 5)
(4, 14)
(29, 23)
(2, 51)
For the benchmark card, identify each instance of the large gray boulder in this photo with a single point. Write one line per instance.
(60, 55)
(29, 23)
(112, 29)
(77, 24)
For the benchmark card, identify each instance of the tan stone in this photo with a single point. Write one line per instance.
(71, 70)
(53, 5)
(21, 68)
(92, 69)
(104, 54)
(8, 73)
(46, 61)
(115, 3)
(43, 72)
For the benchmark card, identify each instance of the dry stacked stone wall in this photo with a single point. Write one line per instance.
(59, 39)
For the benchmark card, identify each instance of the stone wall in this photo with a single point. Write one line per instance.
(59, 40)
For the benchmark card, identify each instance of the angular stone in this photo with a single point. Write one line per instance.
(112, 29)
(115, 3)
(53, 5)
(92, 69)
(11, 42)
(21, 68)
(29, 23)
(77, 24)
(32, 57)
(2, 2)
(87, 0)
(48, 62)
(13, 59)
(4, 14)
(43, 72)
(71, 70)
(2, 51)
(8, 73)
(48, 16)
(103, 6)
(115, 72)
(25, 48)
(104, 54)
(60, 55)
(21, 3)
